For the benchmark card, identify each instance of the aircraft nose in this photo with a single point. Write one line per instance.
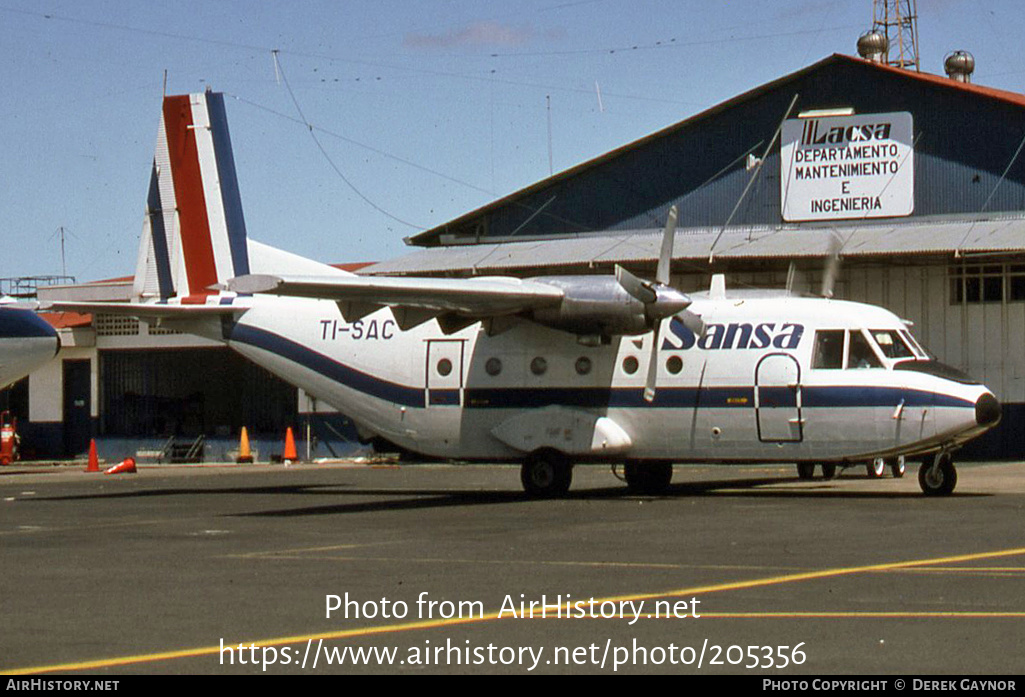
(987, 410)
(24, 324)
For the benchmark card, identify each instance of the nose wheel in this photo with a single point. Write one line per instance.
(937, 476)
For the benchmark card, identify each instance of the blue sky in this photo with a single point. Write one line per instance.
(429, 109)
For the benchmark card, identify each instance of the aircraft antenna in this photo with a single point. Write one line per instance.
(551, 168)
(62, 231)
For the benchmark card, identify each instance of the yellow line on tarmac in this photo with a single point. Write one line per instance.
(826, 573)
(1005, 570)
(433, 624)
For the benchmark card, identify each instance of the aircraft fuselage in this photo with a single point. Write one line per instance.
(749, 389)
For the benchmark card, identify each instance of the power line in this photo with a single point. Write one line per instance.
(370, 148)
(338, 171)
(490, 77)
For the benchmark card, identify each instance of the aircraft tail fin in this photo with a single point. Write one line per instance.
(194, 235)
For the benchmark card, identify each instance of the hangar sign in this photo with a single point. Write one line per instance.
(844, 167)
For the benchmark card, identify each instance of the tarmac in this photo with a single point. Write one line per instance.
(432, 568)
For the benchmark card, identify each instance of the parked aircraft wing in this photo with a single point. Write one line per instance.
(144, 310)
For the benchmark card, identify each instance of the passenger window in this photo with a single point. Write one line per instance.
(860, 353)
(828, 352)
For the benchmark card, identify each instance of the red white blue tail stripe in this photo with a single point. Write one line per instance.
(195, 232)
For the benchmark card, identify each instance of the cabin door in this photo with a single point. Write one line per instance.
(778, 399)
(444, 380)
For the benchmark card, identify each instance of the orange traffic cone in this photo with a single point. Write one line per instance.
(290, 454)
(127, 466)
(94, 461)
(245, 455)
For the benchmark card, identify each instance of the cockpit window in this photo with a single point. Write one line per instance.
(892, 343)
(922, 351)
(828, 351)
(860, 353)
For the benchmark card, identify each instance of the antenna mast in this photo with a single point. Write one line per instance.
(897, 20)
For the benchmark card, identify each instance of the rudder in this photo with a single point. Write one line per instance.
(194, 234)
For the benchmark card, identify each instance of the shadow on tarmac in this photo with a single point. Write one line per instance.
(412, 499)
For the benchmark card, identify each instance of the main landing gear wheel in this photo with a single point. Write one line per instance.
(897, 466)
(648, 477)
(828, 471)
(876, 468)
(805, 470)
(546, 474)
(937, 475)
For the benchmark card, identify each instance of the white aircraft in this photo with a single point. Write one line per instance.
(547, 371)
(26, 342)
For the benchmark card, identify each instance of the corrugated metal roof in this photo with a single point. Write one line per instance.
(435, 235)
(912, 237)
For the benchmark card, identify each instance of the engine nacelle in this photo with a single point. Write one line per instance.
(593, 305)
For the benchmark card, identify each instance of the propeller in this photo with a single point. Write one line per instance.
(660, 299)
(832, 268)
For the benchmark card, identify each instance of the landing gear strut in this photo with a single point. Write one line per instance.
(546, 474)
(937, 475)
(648, 477)
(805, 470)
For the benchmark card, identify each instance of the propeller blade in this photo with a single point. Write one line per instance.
(665, 258)
(832, 268)
(649, 385)
(638, 288)
(693, 322)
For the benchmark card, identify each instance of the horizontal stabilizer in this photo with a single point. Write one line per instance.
(144, 310)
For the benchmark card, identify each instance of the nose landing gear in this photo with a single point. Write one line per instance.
(937, 476)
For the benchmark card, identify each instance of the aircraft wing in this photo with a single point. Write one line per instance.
(415, 300)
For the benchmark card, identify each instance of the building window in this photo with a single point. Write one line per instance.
(987, 283)
(115, 325)
(1016, 283)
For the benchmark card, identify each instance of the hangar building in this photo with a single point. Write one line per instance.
(917, 179)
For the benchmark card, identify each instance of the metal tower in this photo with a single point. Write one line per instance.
(897, 20)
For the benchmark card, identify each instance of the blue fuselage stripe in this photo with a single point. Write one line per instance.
(329, 368)
(739, 397)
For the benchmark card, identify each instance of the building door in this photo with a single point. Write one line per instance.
(778, 399)
(77, 407)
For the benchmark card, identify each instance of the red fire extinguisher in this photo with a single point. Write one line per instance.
(8, 438)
